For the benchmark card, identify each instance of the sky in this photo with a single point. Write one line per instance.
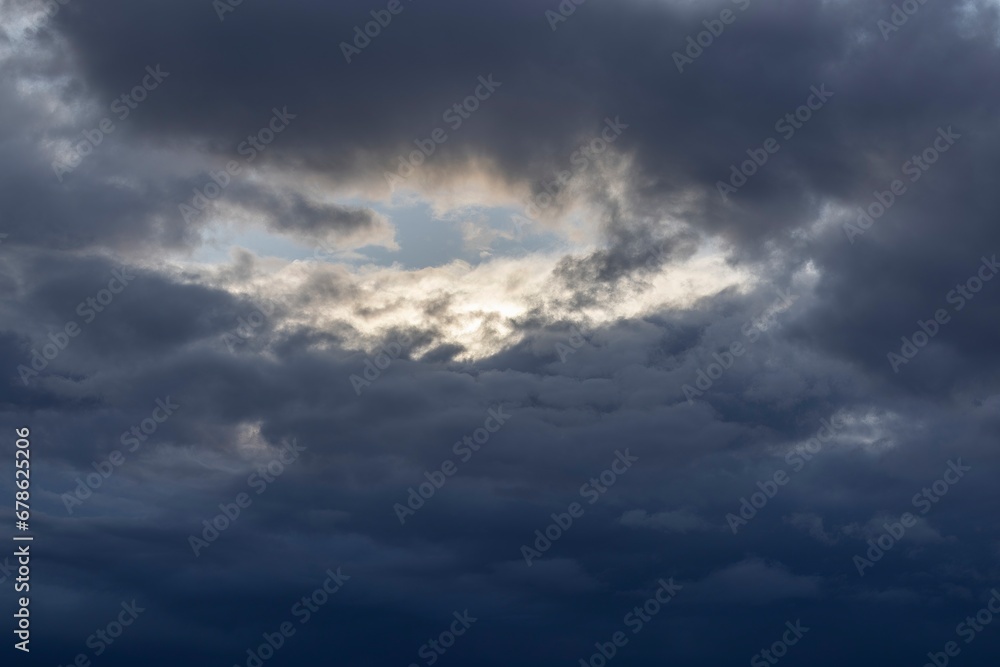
(427, 332)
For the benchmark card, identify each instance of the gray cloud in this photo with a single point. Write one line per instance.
(490, 334)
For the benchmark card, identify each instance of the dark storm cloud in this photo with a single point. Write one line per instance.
(317, 222)
(88, 209)
(362, 454)
(621, 388)
(634, 247)
(292, 214)
(685, 128)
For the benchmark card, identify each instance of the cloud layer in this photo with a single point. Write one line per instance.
(614, 301)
